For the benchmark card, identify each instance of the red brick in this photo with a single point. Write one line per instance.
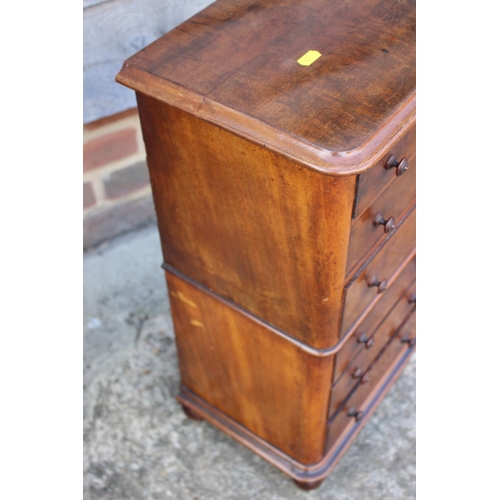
(109, 147)
(126, 180)
(88, 195)
(117, 219)
(110, 119)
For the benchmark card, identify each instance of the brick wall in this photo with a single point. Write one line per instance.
(116, 190)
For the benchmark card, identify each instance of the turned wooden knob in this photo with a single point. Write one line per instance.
(357, 414)
(357, 373)
(389, 224)
(411, 342)
(381, 285)
(368, 341)
(400, 166)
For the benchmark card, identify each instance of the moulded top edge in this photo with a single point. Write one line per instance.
(324, 83)
(296, 149)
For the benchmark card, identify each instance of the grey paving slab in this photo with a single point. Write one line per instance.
(138, 444)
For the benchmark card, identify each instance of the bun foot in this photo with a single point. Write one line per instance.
(190, 413)
(308, 486)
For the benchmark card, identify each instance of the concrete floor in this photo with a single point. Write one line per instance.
(138, 444)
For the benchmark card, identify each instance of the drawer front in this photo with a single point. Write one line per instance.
(369, 325)
(379, 273)
(386, 212)
(408, 333)
(378, 178)
(357, 370)
(352, 410)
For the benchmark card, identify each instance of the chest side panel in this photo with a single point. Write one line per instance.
(250, 225)
(252, 375)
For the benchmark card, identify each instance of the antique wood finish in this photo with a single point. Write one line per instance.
(355, 407)
(234, 64)
(257, 228)
(393, 203)
(230, 361)
(384, 267)
(357, 370)
(337, 442)
(365, 330)
(285, 195)
(374, 181)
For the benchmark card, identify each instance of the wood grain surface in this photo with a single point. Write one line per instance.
(364, 357)
(254, 227)
(392, 203)
(361, 398)
(258, 379)
(374, 318)
(384, 266)
(267, 177)
(374, 181)
(235, 64)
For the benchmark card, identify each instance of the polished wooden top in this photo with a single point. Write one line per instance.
(235, 64)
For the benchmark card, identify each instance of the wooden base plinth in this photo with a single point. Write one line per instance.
(305, 476)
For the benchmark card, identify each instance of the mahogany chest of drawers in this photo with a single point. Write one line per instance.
(280, 138)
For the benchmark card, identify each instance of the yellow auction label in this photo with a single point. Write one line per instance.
(309, 57)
